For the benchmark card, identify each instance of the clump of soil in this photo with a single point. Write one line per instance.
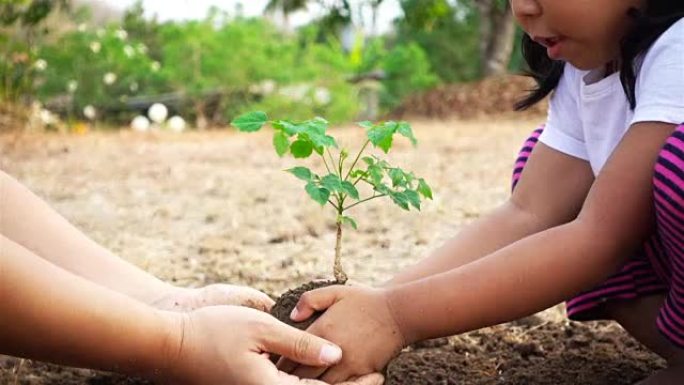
(287, 302)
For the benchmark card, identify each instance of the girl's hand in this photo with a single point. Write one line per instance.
(186, 299)
(360, 321)
(230, 345)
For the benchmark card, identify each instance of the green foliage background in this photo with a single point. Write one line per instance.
(248, 61)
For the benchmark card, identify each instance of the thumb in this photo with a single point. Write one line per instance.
(301, 346)
(313, 301)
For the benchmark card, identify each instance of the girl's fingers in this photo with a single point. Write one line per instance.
(287, 365)
(313, 301)
(309, 372)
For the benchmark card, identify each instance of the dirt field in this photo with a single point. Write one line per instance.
(201, 208)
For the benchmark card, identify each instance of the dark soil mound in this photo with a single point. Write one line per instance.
(493, 96)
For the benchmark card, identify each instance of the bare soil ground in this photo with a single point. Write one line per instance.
(208, 207)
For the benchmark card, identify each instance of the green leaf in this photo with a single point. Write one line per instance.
(381, 136)
(318, 194)
(350, 221)
(383, 189)
(424, 189)
(250, 122)
(332, 182)
(366, 124)
(376, 173)
(400, 199)
(413, 198)
(405, 130)
(397, 177)
(281, 143)
(350, 189)
(289, 128)
(301, 148)
(302, 173)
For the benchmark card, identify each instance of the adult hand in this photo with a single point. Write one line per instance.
(227, 345)
(360, 321)
(186, 299)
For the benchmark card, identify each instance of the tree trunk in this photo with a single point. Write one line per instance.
(497, 33)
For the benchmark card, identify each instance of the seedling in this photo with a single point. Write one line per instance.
(337, 186)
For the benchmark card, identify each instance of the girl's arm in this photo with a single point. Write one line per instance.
(534, 206)
(30, 222)
(520, 279)
(546, 268)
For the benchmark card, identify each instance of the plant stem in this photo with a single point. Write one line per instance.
(358, 156)
(340, 275)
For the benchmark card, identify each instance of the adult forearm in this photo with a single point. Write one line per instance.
(499, 228)
(521, 279)
(30, 222)
(52, 315)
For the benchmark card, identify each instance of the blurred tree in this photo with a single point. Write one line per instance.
(287, 7)
(447, 33)
(20, 27)
(464, 39)
(143, 29)
(375, 9)
(497, 33)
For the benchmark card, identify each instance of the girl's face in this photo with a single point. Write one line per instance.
(585, 33)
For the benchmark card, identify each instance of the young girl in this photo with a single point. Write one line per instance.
(597, 210)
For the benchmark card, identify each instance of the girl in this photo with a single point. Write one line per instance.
(597, 206)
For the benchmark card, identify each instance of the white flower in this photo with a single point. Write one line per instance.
(48, 118)
(158, 113)
(82, 27)
(295, 92)
(72, 86)
(268, 87)
(155, 66)
(177, 124)
(134, 87)
(142, 48)
(129, 51)
(322, 96)
(95, 47)
(40, 65)
(100, 32)
(89, 112)
(140, 124)
(109, 78)
(121, 34)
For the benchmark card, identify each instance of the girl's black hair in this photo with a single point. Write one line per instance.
(648, 25)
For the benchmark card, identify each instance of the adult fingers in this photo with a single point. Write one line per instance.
(300, 346)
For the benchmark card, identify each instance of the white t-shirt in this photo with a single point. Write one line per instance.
(589, 114)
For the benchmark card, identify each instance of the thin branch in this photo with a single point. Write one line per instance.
(326, 164)
(357, 159)
(364, 201)
(334, 205)
(332, 160)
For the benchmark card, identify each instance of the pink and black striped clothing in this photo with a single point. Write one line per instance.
(658, 267)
